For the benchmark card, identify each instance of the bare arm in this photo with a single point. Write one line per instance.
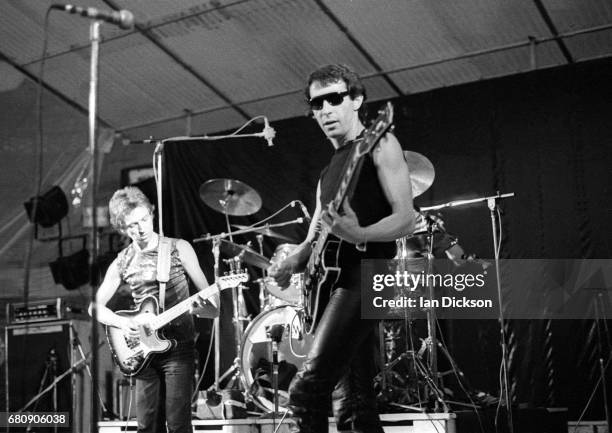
(112, 281)
(296, 261)
(209, 307)
(301, 254)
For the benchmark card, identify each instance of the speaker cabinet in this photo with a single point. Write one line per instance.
(37, 353)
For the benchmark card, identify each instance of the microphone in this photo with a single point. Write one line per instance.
(304, 210)
(123, 18)
(268, 132)
(52, 360)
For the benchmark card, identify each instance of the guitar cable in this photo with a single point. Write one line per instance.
(194, 397)
(129, 412)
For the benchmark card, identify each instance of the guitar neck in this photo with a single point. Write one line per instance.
(180, 308)
(343, 193)
(352, 171)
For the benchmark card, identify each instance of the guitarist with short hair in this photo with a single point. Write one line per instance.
(377, 211)
(164, 386)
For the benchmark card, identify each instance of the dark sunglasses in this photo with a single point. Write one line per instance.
(334, 99)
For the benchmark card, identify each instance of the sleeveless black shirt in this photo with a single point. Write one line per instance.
(368, 202)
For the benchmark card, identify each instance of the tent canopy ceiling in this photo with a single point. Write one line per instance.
(221, 62)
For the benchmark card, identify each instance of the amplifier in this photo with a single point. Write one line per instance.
(29, 368)
(36, 311)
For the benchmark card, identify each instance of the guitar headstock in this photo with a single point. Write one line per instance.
(232, 280)
(378, 128)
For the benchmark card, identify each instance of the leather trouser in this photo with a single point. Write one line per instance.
(339, 365)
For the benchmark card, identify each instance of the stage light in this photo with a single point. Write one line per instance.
(71, 271)
(52, 207)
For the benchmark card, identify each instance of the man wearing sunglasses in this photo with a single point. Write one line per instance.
(341, 363)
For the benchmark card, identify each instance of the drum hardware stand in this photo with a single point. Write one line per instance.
(239, 317)
(432, 340)
(492, 204)
(208, 237)
(238, 305)
(427, 372)
(264, 274)
(423, 372)
(430, 372)
(600, 317)
(213, 396)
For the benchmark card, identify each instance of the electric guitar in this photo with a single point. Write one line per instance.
(322, 271)
(132, 354)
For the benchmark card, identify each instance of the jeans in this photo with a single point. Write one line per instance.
(340, 366)
(163, 392)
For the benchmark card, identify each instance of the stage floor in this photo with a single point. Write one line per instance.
(392, 423)
(543, 420)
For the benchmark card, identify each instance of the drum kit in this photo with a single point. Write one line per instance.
(273, 347)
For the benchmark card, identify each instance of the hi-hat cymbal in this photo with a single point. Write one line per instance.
(230, 196)
(266, 231)
(247, 255)
(422, 172)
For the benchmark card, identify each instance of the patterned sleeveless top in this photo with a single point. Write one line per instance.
(139, 270)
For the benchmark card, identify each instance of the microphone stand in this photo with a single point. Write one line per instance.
(275, 335)
(94, 35)
(599, 317)
(158, 157)
(53, 369)
(57, 379)
(493, 208)
(76, 342)
(159, 153)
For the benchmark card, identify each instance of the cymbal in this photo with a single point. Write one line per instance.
(230, 249)
(266, 231)
(231, 196)
(422, 172)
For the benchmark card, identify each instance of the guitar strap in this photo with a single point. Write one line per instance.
(163, 268)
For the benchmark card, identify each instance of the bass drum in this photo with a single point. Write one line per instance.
(256, 354)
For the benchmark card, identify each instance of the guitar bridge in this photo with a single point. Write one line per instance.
(134, 357)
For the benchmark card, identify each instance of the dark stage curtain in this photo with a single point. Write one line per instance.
(545, 136)
(282, 173)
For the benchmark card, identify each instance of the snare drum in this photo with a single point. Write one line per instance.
(293, 294)
(256, 355)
